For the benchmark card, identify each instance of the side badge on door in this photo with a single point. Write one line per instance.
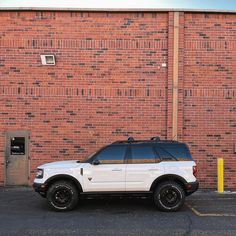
(89, 178)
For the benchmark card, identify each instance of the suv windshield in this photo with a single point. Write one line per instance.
(86, 159)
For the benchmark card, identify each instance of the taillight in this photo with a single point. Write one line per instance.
(195, 170)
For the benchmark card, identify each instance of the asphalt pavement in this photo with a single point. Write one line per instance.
(24, 212)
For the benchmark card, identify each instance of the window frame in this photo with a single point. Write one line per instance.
(130, 156)
(102, 149)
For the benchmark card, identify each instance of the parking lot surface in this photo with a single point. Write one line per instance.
(23, 212)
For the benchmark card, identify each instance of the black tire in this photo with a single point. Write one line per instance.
(169, 196)
(63, 196)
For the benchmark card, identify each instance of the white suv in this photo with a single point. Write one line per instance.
(162, 168)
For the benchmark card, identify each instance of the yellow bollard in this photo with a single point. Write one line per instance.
(220, 173)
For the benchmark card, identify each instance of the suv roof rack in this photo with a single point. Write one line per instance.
(131, 139)
(153, 139)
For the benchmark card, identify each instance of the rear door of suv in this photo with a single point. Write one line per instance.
(143, 167)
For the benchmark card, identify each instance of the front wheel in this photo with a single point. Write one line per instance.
(62, 196)
(169, 196)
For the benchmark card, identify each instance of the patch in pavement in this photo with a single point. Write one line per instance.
(213, 206)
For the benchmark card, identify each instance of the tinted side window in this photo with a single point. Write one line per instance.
(163, 154)
(142, 154)
(112, 155)
(174, 150)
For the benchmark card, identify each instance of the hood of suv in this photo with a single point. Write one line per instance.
(61, 164)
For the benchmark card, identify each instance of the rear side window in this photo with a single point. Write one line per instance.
(111, 155)
(163, 154)
(142, 154)
(173, 151)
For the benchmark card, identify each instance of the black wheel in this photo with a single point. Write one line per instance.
(62, 196)
(169, 196)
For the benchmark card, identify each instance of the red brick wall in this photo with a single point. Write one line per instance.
(210, 93)
(109, 83)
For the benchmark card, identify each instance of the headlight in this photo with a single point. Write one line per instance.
(39, 174)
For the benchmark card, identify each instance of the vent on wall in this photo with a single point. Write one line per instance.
(48, 59)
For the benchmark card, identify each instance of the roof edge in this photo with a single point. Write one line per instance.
(115, 9)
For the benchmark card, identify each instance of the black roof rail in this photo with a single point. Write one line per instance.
(144, 141)
(152, 140)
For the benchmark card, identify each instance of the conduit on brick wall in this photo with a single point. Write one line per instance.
(175, 76)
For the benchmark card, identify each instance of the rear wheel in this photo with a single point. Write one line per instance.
(63, 196)
(169, 196)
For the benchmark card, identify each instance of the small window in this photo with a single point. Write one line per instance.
(18, 146)
(112, 155)
(48, 59)
(143, 154)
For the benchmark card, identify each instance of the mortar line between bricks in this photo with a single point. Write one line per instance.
(198, 213)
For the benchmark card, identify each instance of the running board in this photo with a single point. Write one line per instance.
(114, 194)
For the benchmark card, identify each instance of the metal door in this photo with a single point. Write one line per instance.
(17, 158)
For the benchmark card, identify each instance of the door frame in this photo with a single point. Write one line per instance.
(17, 133)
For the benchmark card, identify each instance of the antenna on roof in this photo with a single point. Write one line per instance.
(130, 139)
(155, 139)
(174, 138)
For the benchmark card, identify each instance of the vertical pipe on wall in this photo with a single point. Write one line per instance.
(175, 76)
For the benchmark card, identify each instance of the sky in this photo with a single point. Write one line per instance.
(186, 4)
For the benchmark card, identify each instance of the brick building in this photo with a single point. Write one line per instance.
(117, 74)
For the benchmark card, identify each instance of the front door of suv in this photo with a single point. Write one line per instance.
(109, 174)
(143, 167)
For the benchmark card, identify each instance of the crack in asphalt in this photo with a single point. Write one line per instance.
(190, 223)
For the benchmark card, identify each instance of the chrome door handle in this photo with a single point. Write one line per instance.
(153, 169)
(117, 170)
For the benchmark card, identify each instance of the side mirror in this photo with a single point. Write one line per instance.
(96, 162)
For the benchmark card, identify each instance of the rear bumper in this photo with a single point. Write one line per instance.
(191, 187)
(40, 188)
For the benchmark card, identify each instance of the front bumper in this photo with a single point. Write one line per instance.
(191, 187)
(40, 188)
